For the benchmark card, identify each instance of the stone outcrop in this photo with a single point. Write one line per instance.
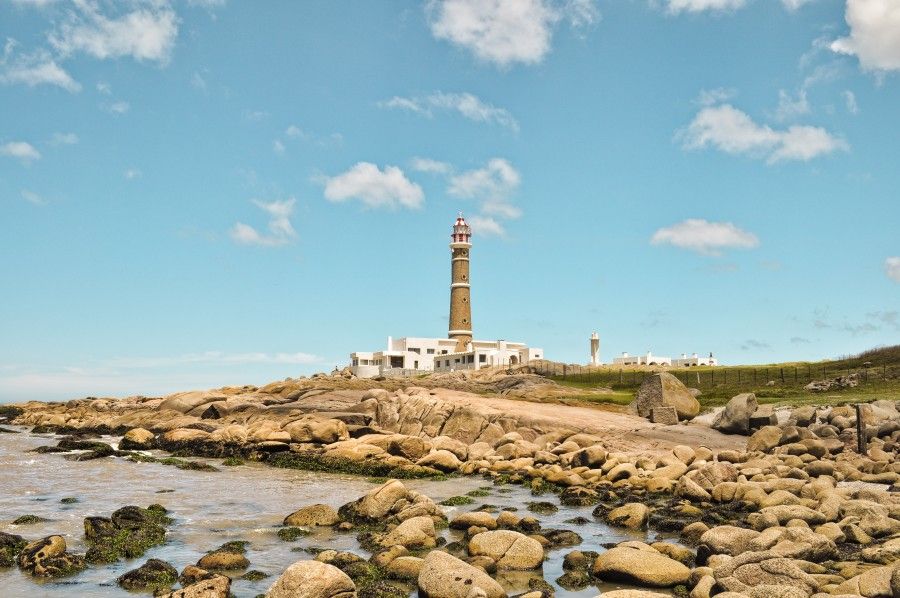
(312, 579)
(662, 389)
(643, 566)
(445, 576)
(508, 549)
(313, 515)
(735, 417)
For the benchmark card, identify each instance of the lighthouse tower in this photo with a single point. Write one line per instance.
(460, 306)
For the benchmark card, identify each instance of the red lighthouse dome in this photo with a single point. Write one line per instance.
(462, 232)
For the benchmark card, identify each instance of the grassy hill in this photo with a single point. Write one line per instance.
(876, 374)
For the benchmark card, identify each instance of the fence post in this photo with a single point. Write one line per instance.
(860, 430)
(620, 376)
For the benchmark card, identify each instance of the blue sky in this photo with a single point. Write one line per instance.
(209, 192)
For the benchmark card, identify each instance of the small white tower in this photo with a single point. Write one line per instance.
(595, 348)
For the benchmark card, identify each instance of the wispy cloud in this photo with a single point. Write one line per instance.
(374, 187)
(850, 101)
(465, 104)
(213, 357)
(33, 198)
(132, 173)
(680, 6)
(281, 231)
(431, 166)
(704, 237)
(64, 139)
(31, 70)
(754, 345)
(892, 268)
(120, 107)
(492, 186)
(21, 150)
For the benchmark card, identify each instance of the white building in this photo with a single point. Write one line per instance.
(459, 351)
(648, 359)
(694, 360)
(417, 355)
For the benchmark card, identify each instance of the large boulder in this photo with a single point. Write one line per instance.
(216, 586)
(312, 515)
(312, 579)
(137, 439)
(753, 569)
(445, 576)
(735, 417)
(644, 567)
(415, 532)
(48, 558)
(314, 429)
(662, 389)
(764, 439)
(509, 549)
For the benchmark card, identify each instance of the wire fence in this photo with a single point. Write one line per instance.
(704, 378)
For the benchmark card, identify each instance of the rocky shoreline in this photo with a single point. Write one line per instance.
(796, 512)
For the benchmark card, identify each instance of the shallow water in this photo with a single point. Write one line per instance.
(239, 503)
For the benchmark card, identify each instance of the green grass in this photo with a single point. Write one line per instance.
(781, 383)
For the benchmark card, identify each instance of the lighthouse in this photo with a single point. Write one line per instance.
(460, 305)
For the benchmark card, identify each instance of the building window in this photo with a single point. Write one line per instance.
(444, 352)
(447, 363)
(429, 351)
(414, 350)
(482, 358)
(470, 359)
(415, 365)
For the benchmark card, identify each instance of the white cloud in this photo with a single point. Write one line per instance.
(794, 4)
(36, 70)
(680, 6)
(104, 88)
(64, 139)
(374, 187)
(466, 104)
(892, 268)
(505, 32)
(295, 132)
(850, 101)
(791, 107)
(120, 107)
(33, 198)
(492, 185)
(144, 34)
(21, 150)
(132, 173)
(732, 131)
(281, 231)
(34, 3)
(278, 147)
(702, 236)
(486, 226)
(874, 34)
(708, 97)
(431, 166)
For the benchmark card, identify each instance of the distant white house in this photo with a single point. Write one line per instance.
(648, 359)
(411, 355)
(694, 360)
(651, 359)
